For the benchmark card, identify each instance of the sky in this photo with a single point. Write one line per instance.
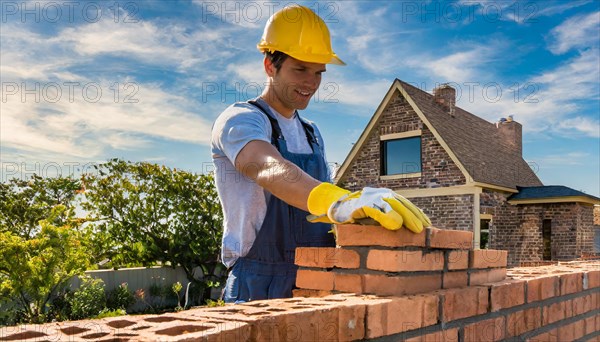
(86, 81)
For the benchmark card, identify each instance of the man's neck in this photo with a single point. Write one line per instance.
(271, 99)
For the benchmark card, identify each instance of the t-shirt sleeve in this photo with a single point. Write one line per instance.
(235, 128)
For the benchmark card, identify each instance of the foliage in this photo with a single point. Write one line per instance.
(89, 299)
(214, 303)
(23, 203)
(33, 270)
(111, 313)
(177, 289)
(120, 298)
(151, 213)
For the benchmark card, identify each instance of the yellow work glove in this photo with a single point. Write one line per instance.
(330, 203)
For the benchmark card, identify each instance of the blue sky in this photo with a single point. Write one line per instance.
(85, 81)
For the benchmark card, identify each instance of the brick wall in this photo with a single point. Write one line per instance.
(551, 303)
(451, 212)
(518, 229)
(398, 116)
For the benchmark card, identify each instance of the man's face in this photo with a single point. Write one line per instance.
(294, 83)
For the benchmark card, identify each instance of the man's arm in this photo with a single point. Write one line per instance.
(261, 162)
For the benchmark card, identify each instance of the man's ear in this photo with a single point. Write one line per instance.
(269, 67)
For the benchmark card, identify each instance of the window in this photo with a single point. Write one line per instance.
(547, 238)
(484, 233)
(597, 240)
(401, 156)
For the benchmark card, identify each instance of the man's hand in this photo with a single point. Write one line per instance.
(329, 203)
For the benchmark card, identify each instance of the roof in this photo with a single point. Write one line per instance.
(549, 194)
(478, 148)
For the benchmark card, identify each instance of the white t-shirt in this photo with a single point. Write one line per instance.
(244, 202)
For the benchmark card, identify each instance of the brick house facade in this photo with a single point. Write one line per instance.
(468, 175)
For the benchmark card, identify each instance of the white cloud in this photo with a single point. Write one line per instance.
(582, 31)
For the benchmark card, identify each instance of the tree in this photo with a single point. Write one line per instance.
(152, 213)
(23, 203)
(33, 270)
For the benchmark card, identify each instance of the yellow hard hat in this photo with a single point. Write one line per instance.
(297, 31)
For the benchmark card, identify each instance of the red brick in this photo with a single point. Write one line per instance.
(401, 285)
(520, 322)
(315, 280)
(464, 302)
(542, 288)
(571, 331)
(401, 314)
(454, 279)
(590, 325)
(507, 295)
(345, 282)
(553, 313)
(570, 283)
(487, 258)
(593, 279)
(478, 277)
(487, 330)
(444, 238)
(326, 257)
(404, 261)
(458, 259)
(357, 235)
(449, 335)
(582, 305)
(310, 293)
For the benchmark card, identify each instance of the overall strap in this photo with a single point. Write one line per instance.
(275, 129)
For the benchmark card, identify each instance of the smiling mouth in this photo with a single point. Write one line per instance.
(303, 93)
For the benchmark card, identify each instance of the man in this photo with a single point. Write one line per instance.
(270, 169)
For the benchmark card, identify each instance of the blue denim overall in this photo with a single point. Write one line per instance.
(268, 270)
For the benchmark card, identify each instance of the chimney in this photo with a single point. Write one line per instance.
(445, 95)
(512, 133)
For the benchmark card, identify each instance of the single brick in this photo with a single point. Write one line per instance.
(478, 277)
(454, 239)
(401, 314)
(315, 280)
(593, 279)
(326, 257)
(507, 295)
(404, 261)
(454, 279)
(520, 322)
(401, 285)
(310, 293)
(464, 302)
(553, 313)
(542, 288)
(487, 258)
(448, 335)
(345, 282)
(570, 283)
(357, 235)
(582, 305)
(487, 330)
(571, 332)
(590, 325)
(457, 259)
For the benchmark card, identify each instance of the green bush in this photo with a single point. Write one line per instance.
(120, 298)
(89, 300)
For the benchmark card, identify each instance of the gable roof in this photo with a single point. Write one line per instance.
(475, 145)
(550, 194)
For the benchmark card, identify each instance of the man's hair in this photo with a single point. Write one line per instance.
(277, 58)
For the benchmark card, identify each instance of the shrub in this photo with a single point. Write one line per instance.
(89, 300)
(120, 298)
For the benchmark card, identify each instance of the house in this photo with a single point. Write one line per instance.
(468, 174)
